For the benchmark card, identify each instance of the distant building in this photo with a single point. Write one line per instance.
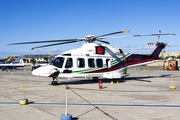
(176, 54)
(161, 63)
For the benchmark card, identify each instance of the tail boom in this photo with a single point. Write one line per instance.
(138, 59)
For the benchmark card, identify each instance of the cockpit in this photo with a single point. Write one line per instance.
(57, 61)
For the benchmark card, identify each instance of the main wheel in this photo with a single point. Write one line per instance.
(115, 80)
(95, 79)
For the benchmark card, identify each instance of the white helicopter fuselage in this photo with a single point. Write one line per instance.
(90, 61)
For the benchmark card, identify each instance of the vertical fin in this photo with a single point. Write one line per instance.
(157, 51)
(9, 59)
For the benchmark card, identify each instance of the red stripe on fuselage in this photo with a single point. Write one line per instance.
(140, 61)
(120, 66)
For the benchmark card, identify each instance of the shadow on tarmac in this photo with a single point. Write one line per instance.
(83, 81)
(105, 80)
(126, 78)
(74, 118)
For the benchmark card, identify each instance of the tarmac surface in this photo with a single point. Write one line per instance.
(140, 95)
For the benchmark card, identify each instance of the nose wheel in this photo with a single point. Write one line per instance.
(54, 82)
(54, 76)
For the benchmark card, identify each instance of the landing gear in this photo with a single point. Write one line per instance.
(54, 75)
(55, 81)
(114, 81)
(6, 68)
(95, 79)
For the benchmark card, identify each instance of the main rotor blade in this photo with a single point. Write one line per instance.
(113, 33)
(53, 44)
(137, 35)
(41, 42)
(103, 41)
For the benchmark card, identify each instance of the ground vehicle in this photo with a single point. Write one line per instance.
(172, 65)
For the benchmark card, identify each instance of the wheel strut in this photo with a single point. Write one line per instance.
(55, 81)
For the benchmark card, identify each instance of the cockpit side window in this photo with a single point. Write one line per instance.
(69, 63)
(58, 62)
(91, 62)
(80, 62)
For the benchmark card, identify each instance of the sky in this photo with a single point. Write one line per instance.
(39, 20)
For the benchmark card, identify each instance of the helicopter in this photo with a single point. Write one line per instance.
(93, 60)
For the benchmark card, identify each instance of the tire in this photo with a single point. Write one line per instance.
(95, 79)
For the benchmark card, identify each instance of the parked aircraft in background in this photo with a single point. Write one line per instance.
(9, 64)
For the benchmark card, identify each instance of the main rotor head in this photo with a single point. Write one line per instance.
(90, 38)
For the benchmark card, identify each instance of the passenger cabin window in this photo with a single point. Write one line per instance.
(80, 62)
(107, 61)
(91, 62)
(58, 62)
(69, 63)
(99, 63)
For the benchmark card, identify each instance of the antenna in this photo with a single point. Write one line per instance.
(159, 35)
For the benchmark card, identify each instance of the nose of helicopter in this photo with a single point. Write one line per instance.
(36, 72)
(41, 71)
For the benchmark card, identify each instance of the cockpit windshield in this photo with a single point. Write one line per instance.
(58, 62)
(51, 60)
